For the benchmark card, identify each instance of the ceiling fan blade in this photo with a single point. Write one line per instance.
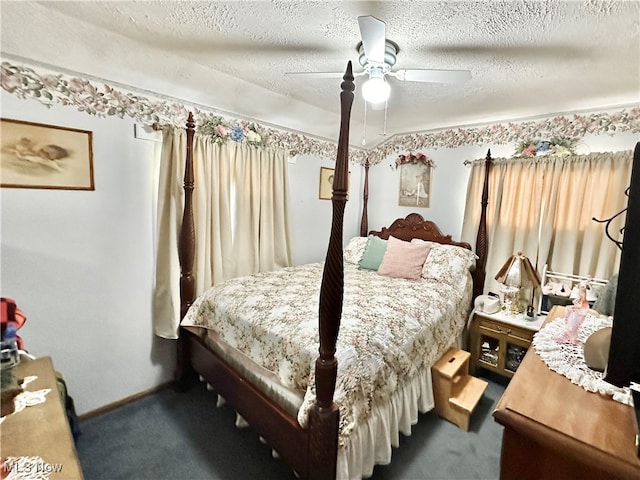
(372, 32)
(432, 75)
(322, 74)
(315, 74)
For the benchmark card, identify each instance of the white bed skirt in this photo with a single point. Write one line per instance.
(371, 443)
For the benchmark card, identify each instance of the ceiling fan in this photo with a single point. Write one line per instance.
(378, 57)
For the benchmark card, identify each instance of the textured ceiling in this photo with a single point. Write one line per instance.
(526, 58)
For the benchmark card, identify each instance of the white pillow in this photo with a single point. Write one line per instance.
(448, 262)
(352, 253)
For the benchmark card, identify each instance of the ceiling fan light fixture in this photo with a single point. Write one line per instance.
(376, 90)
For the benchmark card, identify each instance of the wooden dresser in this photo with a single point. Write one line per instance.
(555, 429)
(41, 430)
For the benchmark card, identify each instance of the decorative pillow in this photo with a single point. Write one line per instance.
(448, 262)
(352, 253)
(373, 253)
(432, 245)
(403, 259)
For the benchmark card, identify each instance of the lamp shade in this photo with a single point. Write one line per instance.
(518, 272)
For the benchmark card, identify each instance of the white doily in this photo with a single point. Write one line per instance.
(26, 398)
(568, 359)
(28, 468)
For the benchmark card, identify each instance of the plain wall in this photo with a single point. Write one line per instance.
(79, 264)
(310, 216)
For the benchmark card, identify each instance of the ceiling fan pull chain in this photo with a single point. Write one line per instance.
(384, 127)
(364, 128)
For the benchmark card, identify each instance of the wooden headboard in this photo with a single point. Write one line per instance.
(414, 226)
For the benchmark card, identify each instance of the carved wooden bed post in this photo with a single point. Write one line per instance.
(187, 242)
(324, 414)
(481, 239)
(186, 252)
(364, 225)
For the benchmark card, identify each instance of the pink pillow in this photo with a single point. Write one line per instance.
(403, 259)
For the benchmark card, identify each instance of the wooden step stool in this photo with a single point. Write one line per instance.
(456, 392)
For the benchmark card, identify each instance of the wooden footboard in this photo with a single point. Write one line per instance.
(281, 431)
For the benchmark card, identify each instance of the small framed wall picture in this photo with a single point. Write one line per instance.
(35, 155)
(415, 180)
(326, 183)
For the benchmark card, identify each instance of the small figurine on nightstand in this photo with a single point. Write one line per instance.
(574, 316)
(581, 302)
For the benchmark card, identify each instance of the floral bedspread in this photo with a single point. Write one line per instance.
(390, 329)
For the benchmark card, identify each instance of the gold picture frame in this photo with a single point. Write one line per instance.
(326, 183)
(35, 155)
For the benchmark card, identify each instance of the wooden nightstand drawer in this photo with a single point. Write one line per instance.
(510, 330)
(491, 327)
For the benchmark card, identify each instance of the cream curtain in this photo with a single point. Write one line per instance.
(262, 236)
(543, 207)
(240, 204)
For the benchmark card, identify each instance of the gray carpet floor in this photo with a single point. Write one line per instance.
(170, 435)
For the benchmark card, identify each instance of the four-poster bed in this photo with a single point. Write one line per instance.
(312, 451)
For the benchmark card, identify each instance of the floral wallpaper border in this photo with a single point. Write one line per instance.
(50, 88)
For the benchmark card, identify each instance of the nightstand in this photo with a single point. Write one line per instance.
(498, 342)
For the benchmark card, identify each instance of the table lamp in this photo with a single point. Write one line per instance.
(517, 273)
